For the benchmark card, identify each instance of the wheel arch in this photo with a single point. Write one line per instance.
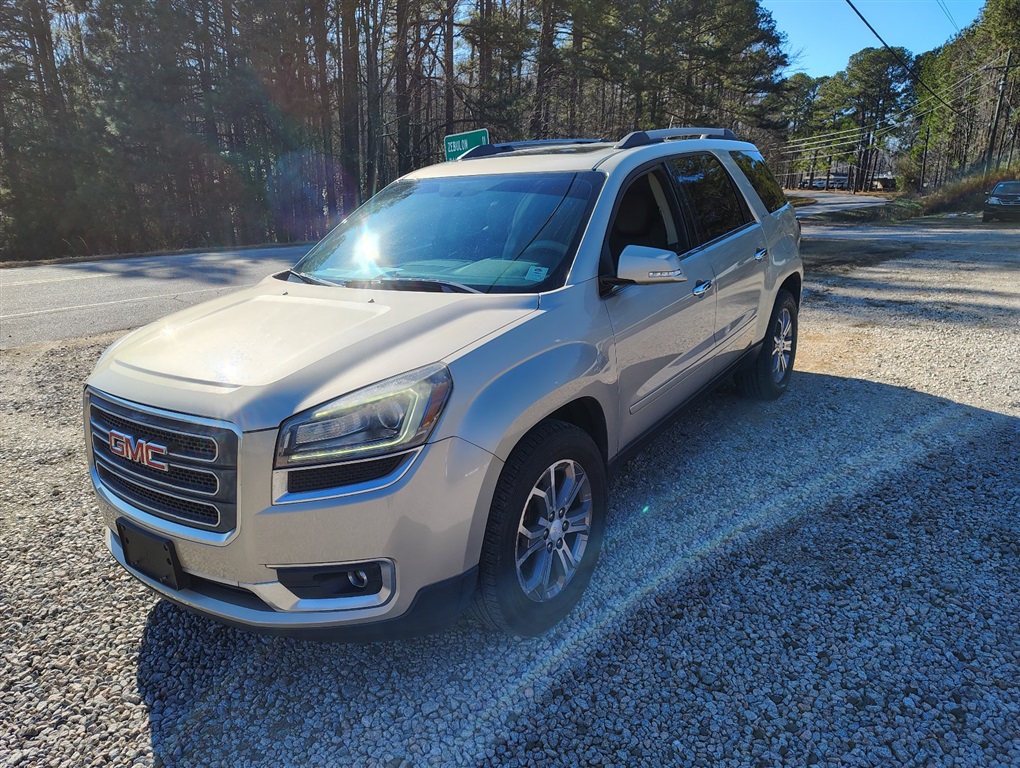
(586, 413)
(794, 284)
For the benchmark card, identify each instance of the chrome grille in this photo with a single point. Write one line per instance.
(184, 446)
(199, 485)
(201, 481)
(162, 504)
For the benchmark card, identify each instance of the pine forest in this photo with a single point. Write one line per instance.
(139, 125)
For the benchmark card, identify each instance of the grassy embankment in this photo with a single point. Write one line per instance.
(964, 196)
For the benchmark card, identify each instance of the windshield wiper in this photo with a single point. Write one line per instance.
(410, 283)
(309, 279)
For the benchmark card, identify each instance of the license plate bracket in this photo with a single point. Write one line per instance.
(152, 555)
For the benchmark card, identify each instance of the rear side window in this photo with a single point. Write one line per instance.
(761, 178)
(707, 191)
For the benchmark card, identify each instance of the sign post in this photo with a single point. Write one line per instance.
(458, 143)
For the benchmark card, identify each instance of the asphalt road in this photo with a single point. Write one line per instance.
(65, 301)
(832, 201)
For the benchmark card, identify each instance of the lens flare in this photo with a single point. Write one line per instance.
(366, 253)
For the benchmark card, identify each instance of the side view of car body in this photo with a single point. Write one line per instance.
(423, 414)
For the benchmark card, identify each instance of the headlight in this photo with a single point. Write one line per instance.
(994, 201)
(393, 415)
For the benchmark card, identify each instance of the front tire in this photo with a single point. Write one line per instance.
(769, 375)
(544, 532)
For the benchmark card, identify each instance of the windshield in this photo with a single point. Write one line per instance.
(495, 234)
(1007, 188)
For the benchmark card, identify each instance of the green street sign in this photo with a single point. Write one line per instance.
(458, 143)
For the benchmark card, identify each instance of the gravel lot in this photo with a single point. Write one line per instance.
(832, 579)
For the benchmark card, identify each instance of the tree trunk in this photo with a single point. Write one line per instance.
(349, 106)
(52, 92)
(317, 9)
(546, 52)
(450, 75)
(372, 24)
(402, 96)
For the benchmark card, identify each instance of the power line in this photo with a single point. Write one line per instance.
(921, 102)
(836, 142)
(898, 58)
(948, 15)
(964, 38)
(821, 139)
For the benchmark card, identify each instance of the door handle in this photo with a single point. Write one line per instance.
(761, 253)
(702, 288)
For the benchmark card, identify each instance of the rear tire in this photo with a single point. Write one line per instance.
(985, 218)
(544, 532)
(768, 376)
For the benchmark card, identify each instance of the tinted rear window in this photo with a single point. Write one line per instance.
(761, 178)
(707, 191)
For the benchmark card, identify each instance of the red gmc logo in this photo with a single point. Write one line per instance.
(138, 451)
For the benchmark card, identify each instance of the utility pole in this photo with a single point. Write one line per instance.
(998, 109)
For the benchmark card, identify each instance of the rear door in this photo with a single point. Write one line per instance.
(770, 205)
(726, 232)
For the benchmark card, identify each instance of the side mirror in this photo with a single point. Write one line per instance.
(644, 266)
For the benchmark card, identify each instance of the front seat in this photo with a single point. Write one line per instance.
(638, 221)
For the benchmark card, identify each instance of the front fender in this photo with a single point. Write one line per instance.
(510, 381)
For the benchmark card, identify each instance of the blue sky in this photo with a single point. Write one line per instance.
(826, 32)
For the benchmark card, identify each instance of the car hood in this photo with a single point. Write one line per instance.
(256, 357)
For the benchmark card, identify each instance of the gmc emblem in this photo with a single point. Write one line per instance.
(138, 451)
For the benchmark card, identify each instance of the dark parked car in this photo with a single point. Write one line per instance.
(1003, 202)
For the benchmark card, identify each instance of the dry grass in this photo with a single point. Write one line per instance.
(800, 202)
(964, 196)
(967, 194)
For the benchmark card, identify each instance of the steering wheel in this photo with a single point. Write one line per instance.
(557, 248)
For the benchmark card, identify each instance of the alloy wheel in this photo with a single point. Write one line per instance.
(553, 531)
(782, 345)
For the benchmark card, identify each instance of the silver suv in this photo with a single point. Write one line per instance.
(421, 416)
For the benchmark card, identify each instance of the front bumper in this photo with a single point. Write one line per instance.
(424, 529)
(1002, 211)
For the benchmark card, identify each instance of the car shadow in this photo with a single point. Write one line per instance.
(687, 516)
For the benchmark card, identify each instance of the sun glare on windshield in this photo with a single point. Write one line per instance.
(366, 253)
(488, 233)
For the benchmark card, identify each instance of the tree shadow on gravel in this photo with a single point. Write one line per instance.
(832, 578)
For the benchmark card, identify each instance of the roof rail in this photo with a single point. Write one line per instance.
(487, 150)
(642, 138)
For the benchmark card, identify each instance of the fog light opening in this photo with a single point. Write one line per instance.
(329, 582)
